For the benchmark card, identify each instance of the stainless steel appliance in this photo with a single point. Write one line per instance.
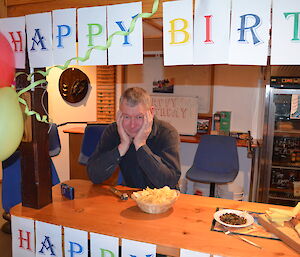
(280, 157)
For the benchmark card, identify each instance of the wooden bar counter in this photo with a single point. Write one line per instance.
(187, 225)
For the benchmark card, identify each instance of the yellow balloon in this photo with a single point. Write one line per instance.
(11, 122)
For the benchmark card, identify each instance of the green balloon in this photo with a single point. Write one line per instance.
(11, 122)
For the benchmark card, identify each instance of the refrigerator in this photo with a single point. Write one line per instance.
(279, 173)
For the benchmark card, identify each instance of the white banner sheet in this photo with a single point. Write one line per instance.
(250, 32)
(132, 248)
(211, 31)
(39, 39)
(22, 231)
(285, 33)
(92, 27)
(125, 49)
(14, 31)
(75, 242)
(178, 32)
(102, 245)
(189, 253)
(48, 239)
(64, 35)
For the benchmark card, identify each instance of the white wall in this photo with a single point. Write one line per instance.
(244, 105)
(239, 89)
(189, 80)
(61, 111)
(236, 88)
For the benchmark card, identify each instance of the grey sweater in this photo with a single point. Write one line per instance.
(155, 164)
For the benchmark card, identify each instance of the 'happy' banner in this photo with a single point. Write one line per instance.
(212, 37)
(32, 238)
(35, 238)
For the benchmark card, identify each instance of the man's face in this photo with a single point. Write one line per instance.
(133, 117)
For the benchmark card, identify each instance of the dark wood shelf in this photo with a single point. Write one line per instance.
(287, 133)
(286, 165)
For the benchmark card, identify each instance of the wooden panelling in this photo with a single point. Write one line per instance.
(23, 7)
(3, 9)
(77, 170)
(106, 93)
(21, 2)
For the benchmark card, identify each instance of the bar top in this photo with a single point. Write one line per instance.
(183, 139)
(187, 225)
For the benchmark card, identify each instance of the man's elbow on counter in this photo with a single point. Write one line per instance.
(92, 174)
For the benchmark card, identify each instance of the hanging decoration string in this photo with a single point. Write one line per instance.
(82, 59)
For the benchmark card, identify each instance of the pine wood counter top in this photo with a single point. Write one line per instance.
(187, 225)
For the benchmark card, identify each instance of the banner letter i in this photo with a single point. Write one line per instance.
(208, 29)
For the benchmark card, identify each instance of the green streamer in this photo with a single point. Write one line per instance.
(82, 59)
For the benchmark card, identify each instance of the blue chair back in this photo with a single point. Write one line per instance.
(54, 141)
(216, 160)
(91, 137)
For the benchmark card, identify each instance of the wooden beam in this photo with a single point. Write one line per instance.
(153, 37)
(153, 24)
(35, 162)
(21, 2)
(37, 6)
(3, 9)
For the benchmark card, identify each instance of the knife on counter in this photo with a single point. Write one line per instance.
(122, 196)
(243, 239)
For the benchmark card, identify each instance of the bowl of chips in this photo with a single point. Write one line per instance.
(157, 200)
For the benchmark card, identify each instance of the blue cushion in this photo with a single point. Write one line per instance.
(216, 160)
(54, 140)
(91, 137)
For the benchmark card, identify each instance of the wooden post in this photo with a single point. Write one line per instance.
(35, 160)
(3, 9)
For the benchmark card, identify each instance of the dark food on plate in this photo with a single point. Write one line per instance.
(232, 219)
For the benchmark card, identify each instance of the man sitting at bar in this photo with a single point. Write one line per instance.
(145, 148)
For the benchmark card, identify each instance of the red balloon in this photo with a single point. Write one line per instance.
(7, 63)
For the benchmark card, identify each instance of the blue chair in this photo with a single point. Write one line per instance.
(11, 180)
(216, 161)
(92, 135)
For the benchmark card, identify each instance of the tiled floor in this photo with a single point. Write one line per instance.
(5, 239)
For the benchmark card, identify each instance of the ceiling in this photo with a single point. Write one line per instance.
(285, 70)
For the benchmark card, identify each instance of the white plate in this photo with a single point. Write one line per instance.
(245, 215)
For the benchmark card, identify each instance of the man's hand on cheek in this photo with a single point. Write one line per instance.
(124, 138)
(141, 137)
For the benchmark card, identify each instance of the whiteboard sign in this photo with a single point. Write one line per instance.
(181, 112)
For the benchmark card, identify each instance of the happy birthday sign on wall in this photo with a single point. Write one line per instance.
(210, 38)
(180, 111)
